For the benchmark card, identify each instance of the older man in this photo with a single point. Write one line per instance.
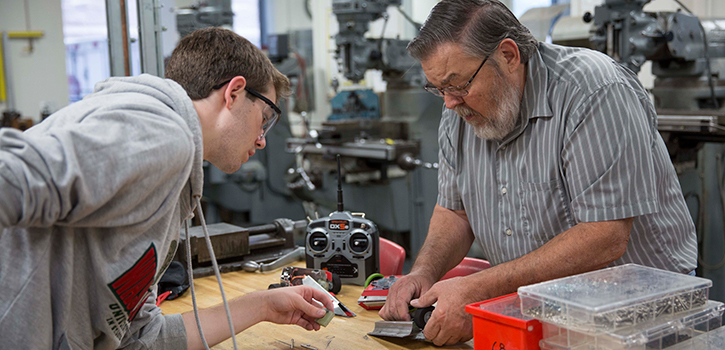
(550, 159)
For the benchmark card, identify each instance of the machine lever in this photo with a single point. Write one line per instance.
(295, 255)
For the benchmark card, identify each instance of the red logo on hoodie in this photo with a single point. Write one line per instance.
(132, 287)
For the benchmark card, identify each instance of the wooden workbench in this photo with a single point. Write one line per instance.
(341, 334)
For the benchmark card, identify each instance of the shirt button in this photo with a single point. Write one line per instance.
(504, 190)
(509, 232)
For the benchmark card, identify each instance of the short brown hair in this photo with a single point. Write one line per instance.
(477, 25)
(210, 56)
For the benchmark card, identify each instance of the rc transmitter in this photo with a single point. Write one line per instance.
(343, 243)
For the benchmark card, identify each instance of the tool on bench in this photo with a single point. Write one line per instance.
(234, 246)
(295, 255)
(293, 276)
(402, 329)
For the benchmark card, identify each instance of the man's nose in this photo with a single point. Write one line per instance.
(452, 101)
(261, 142)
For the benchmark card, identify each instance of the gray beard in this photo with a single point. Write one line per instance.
(501, 121)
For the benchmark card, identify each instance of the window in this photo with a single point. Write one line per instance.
(86, 38)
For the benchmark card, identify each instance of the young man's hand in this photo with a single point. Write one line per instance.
(294, 305)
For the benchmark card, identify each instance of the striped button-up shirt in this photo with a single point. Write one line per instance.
(585, 149)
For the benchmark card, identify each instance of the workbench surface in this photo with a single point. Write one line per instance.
(342, 333)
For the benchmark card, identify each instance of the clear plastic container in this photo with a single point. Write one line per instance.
(713, 340)
(653, 335)
(613, 298)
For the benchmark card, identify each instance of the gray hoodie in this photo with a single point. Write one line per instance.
(91, 203)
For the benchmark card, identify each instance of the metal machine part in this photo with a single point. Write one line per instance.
(234, 245)
(397, 329)
(295, 255)
(209, 13)
(385, 146)
(687, 57)
(403, 329)
(357, 54)
(355, 104)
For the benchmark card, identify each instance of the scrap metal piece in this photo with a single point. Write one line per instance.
(397, 329)
(325, 320)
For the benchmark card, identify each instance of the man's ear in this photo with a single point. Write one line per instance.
(511, 55)
(235, 91)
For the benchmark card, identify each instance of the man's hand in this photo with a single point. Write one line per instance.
(449, 323)
(294, 305)
(401, 293)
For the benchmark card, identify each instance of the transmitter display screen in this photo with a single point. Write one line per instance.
(339, 225)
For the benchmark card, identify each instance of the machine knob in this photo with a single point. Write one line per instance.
(669, 36)
(375, 55)
(587, 17)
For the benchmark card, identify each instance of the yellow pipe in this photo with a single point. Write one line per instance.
(26, 35)
(3, 96)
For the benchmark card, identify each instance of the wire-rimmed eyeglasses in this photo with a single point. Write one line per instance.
(270, 113)
(458, 91)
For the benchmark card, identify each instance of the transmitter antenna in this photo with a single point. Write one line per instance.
(339, 186)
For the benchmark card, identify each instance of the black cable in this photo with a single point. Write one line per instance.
(307, 9)
(385, 24)
(710, 82)
(414, 23)
(683, 6)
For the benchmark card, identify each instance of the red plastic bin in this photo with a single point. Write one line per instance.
(498, 324)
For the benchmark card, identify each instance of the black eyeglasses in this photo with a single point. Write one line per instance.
(458, 91)
(270, 113)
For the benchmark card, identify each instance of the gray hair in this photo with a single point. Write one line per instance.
(477, 25)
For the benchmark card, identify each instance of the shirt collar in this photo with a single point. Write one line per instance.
(535, 101)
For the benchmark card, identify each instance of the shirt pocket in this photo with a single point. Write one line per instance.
(543, 210)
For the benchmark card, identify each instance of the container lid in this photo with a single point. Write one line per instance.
(614, 287)
(508, 305)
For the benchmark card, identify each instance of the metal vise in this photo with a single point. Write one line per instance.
(234, 245)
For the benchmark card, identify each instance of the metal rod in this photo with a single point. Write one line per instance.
(149, 32)
(9, 96)
(340, 206)
(117, 38)
(261, 229)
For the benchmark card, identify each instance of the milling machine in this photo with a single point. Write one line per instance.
(384, 140)
(688, 56)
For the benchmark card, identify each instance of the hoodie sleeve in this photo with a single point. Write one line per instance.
(116, 167)
(152, 330)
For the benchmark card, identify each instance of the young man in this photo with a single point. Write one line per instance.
(550, 158)
(94, 197)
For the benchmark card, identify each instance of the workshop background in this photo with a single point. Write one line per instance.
(371, 111)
